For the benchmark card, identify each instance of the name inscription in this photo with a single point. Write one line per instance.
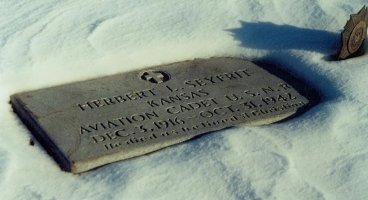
(193, 99)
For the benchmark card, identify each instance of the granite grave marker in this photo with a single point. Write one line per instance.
(88, 124)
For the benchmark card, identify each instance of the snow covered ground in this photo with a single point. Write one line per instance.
(322, 154)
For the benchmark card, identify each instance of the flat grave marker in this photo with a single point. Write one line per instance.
(91, 123)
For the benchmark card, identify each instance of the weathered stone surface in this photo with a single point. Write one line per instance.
(87, 124)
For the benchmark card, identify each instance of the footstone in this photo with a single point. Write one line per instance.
(88, 124)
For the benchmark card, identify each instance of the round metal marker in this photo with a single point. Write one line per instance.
(354, 34)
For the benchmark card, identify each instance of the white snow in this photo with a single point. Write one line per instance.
(322, 154)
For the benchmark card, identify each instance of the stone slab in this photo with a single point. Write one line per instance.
(88, 124)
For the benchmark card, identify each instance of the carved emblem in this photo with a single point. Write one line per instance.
(354, 34)
(155, 76)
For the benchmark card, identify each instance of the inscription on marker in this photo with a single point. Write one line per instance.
(87, 124)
